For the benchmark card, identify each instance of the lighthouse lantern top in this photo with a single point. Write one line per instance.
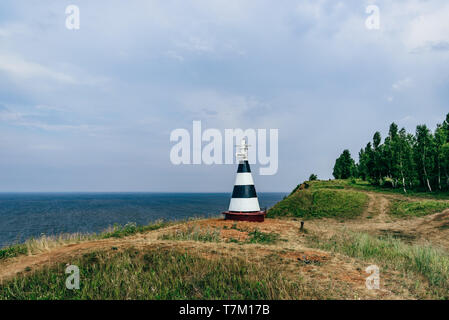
(243, 154)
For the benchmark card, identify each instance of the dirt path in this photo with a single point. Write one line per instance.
(377, 208)
(376, 220)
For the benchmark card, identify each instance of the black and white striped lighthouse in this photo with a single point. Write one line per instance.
(244, 205)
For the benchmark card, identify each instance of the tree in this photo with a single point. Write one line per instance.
(445, 162)
(313, 177)
(403, 159)
(423, 154)
(446, 127)
(440, 141)
(363, 168)
(344, 167)
(392, 155)
(406, 165)
(378, 158)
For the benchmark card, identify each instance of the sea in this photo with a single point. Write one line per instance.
(27, 215)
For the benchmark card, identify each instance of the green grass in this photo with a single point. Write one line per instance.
(194, 233)
(366, 186)
(321, 200)
(13, 251)
(359, 184)
(427, 261)
(213, 235)
(404, 208)
(158, 274)
(347, 199)
(257, 236)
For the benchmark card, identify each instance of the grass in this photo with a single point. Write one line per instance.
(45, 242)
(321, 199)
(257, 236)
(348, 199)
(158, 274)
(194, 233)
(426, 261)
(359, 184)
(131, 228)
(405, 208)
(13, 251)
(366, 186)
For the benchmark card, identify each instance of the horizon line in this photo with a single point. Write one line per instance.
(190, 192)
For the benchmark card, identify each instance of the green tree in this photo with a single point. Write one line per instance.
(378, 158)
(362, 168)
(392, 155)
(403, 159)
(344, 167)
(440, 141)
(406, 165)
(445, 162)
(313, 177)
(423, 155)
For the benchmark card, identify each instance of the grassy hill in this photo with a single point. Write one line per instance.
(349, 225)
(318, 199)
(349, 199)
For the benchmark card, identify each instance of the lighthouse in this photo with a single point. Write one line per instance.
(244, 205)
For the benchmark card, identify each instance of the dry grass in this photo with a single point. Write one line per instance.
(46, 243)
(424, 261)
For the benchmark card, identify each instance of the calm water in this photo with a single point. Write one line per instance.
(25, 215)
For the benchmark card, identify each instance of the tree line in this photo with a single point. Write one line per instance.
(403, 160)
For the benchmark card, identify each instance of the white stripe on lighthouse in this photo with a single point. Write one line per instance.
(244, 205)
(243, 179)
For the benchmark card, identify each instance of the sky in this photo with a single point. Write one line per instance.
(92, 109)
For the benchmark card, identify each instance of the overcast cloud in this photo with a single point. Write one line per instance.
(92, 109)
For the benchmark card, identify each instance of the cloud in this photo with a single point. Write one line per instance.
(21, 69)
(8, 116)
(175, 55)
(224, 110)
(50, 108)
(429, 30)
(31, 120)
(196, 44)
(137, 70)
(402, 84)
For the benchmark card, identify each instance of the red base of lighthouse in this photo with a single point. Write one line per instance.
(258, 216)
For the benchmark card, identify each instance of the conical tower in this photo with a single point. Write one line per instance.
(244, 204)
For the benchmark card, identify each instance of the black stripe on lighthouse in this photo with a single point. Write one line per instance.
(248, 191)
(243, 167)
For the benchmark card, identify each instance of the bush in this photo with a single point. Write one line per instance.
(13, 251)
